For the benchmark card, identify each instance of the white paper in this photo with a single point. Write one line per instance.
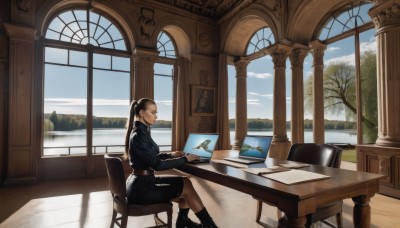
(295, 176)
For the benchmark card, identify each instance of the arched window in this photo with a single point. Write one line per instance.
(163, 88)
(86, 84)
(261, 39)
(350, 62)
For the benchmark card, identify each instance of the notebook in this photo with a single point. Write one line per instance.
(202, 145)
(254, 149)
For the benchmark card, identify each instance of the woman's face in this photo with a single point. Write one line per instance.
(149, 116)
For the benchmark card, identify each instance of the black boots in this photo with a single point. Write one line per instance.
(205, 219)
(183, 221)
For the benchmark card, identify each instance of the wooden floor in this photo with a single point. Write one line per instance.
(87, 203)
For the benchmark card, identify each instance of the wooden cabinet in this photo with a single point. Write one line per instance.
(382, 160)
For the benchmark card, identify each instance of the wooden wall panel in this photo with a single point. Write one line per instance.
(21, 163)
(21, 98)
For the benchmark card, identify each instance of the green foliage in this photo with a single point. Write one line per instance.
(258, 123)
(340, 93)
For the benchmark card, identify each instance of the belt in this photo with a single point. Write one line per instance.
(143, 172)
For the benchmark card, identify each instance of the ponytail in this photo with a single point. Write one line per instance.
(136, 107)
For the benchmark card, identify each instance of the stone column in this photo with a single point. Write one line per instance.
(143, 83)
(280, 144)
(297, 59)
(21, 119)
(317, 50)
(241, 103)
(386, 17)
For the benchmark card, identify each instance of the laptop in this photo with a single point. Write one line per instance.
(202, 145)
(254, 150)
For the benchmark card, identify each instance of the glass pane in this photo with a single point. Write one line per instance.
(308, 99)
(232, 100)
(56, 55)
(165, 46)
(369, 86)
(102, 61)
(340, 92)
(78, 58)
(110, 110)
(163, 95)
(261, 39)
(121, 63)
(260, 94)
(65, 106)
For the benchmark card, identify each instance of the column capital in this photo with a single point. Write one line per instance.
(241, 67)
(145, 55)
(20, 33)
(279, 54)
(317, 50)
(297, 57)
(385, 12)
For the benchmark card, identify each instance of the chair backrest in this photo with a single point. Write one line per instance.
(316, 154)
(116, 176)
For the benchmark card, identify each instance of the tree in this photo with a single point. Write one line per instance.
(54, 119)
(340, 91)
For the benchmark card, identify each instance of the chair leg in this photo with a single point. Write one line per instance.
(339, 223)
(114, 217)
(259, 210)
(124, 220)
(169, 218)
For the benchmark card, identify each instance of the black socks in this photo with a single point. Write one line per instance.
(183, 213)
(205, 218)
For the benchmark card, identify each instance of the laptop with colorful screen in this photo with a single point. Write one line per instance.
(201, 144)
(254, 149)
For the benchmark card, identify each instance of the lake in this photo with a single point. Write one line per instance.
(112, 140)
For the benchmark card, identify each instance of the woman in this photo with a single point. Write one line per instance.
(145, 157)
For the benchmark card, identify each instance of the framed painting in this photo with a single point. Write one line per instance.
(203, 101)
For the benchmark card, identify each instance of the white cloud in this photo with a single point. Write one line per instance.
(261, 95)
(232, 100)
(165, 102)
(346, 58)
(82, 102)
(259, 75)
(368, 46)
(364, 46)
(253, 102)
(332, 49)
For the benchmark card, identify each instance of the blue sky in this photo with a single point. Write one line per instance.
(111, 89)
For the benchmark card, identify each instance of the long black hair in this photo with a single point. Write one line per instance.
(136, 107)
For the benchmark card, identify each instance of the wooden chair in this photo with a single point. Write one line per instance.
(316, 154)
(116, 177)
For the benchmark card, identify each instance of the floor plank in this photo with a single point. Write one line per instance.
(87, 203)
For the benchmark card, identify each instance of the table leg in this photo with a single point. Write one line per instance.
(361, 211)
(292, 222)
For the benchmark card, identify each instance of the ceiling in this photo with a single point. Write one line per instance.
(214, 9)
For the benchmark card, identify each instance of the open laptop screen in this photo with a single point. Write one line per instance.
(201, 144)
(255, 146)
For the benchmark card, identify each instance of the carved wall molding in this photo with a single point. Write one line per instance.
(204, 39)
(147, 23)
(384, 164)
(24, 5)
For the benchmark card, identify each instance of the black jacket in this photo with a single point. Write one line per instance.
(145, 153)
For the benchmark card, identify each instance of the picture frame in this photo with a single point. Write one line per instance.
(203, 101)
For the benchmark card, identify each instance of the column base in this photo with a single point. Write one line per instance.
(388, 142)
(279, 150)
(237, 144)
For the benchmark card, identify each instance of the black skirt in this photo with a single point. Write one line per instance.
(153, 189)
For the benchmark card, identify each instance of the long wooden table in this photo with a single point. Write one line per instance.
(296, 200)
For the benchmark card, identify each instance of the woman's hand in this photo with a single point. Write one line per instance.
(192, 157)
(178, 154)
